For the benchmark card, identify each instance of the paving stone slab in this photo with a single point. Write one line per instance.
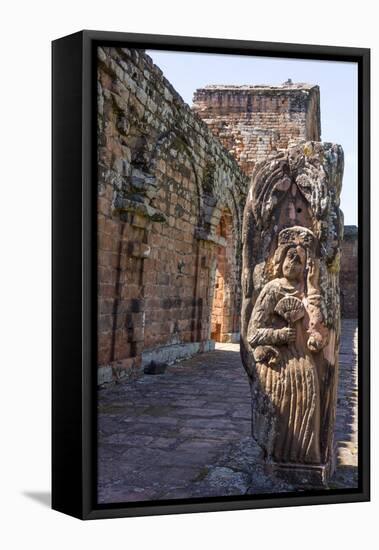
(187, 433)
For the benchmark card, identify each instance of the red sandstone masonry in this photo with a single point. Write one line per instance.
(348, 273)
(172, 188)
(253, 121)
(164, 183)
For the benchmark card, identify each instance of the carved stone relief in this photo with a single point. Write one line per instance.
(290, 314)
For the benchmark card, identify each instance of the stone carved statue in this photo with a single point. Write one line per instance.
(286, 334)
(290, 313)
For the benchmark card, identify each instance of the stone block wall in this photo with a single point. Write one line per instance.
(166, 191)
(349, 273)
(253, 121)
(172, 184)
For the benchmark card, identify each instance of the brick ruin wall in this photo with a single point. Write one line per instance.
(348, 273)
(253, 121)
(170, 202)
(172, 185)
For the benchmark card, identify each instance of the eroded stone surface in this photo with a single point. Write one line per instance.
(349, 273)
(253, 121)
(170, 201)
(186, 433)
(291, 312)
(172, 182)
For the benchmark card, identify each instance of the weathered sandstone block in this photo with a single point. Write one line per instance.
(291, 315)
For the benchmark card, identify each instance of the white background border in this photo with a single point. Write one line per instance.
(27, 29)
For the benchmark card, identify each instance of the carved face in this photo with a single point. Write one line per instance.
(294, 262)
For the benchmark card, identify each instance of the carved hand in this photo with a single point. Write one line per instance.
(315, 342)
(286, 335)
(313, 274)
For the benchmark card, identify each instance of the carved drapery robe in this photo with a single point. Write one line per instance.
(286, 411)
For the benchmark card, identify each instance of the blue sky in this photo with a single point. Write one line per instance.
(338, 95)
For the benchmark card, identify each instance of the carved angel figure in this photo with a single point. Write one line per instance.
(286, 333)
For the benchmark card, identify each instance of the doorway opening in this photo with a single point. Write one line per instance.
(218, 297)
(222, 303)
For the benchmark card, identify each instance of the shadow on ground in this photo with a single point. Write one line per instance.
(42, 497)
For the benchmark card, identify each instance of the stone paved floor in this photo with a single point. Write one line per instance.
(186, 433)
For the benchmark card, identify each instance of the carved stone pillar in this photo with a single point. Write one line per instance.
(290, 330)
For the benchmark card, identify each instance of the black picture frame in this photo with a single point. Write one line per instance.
(74, 272)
